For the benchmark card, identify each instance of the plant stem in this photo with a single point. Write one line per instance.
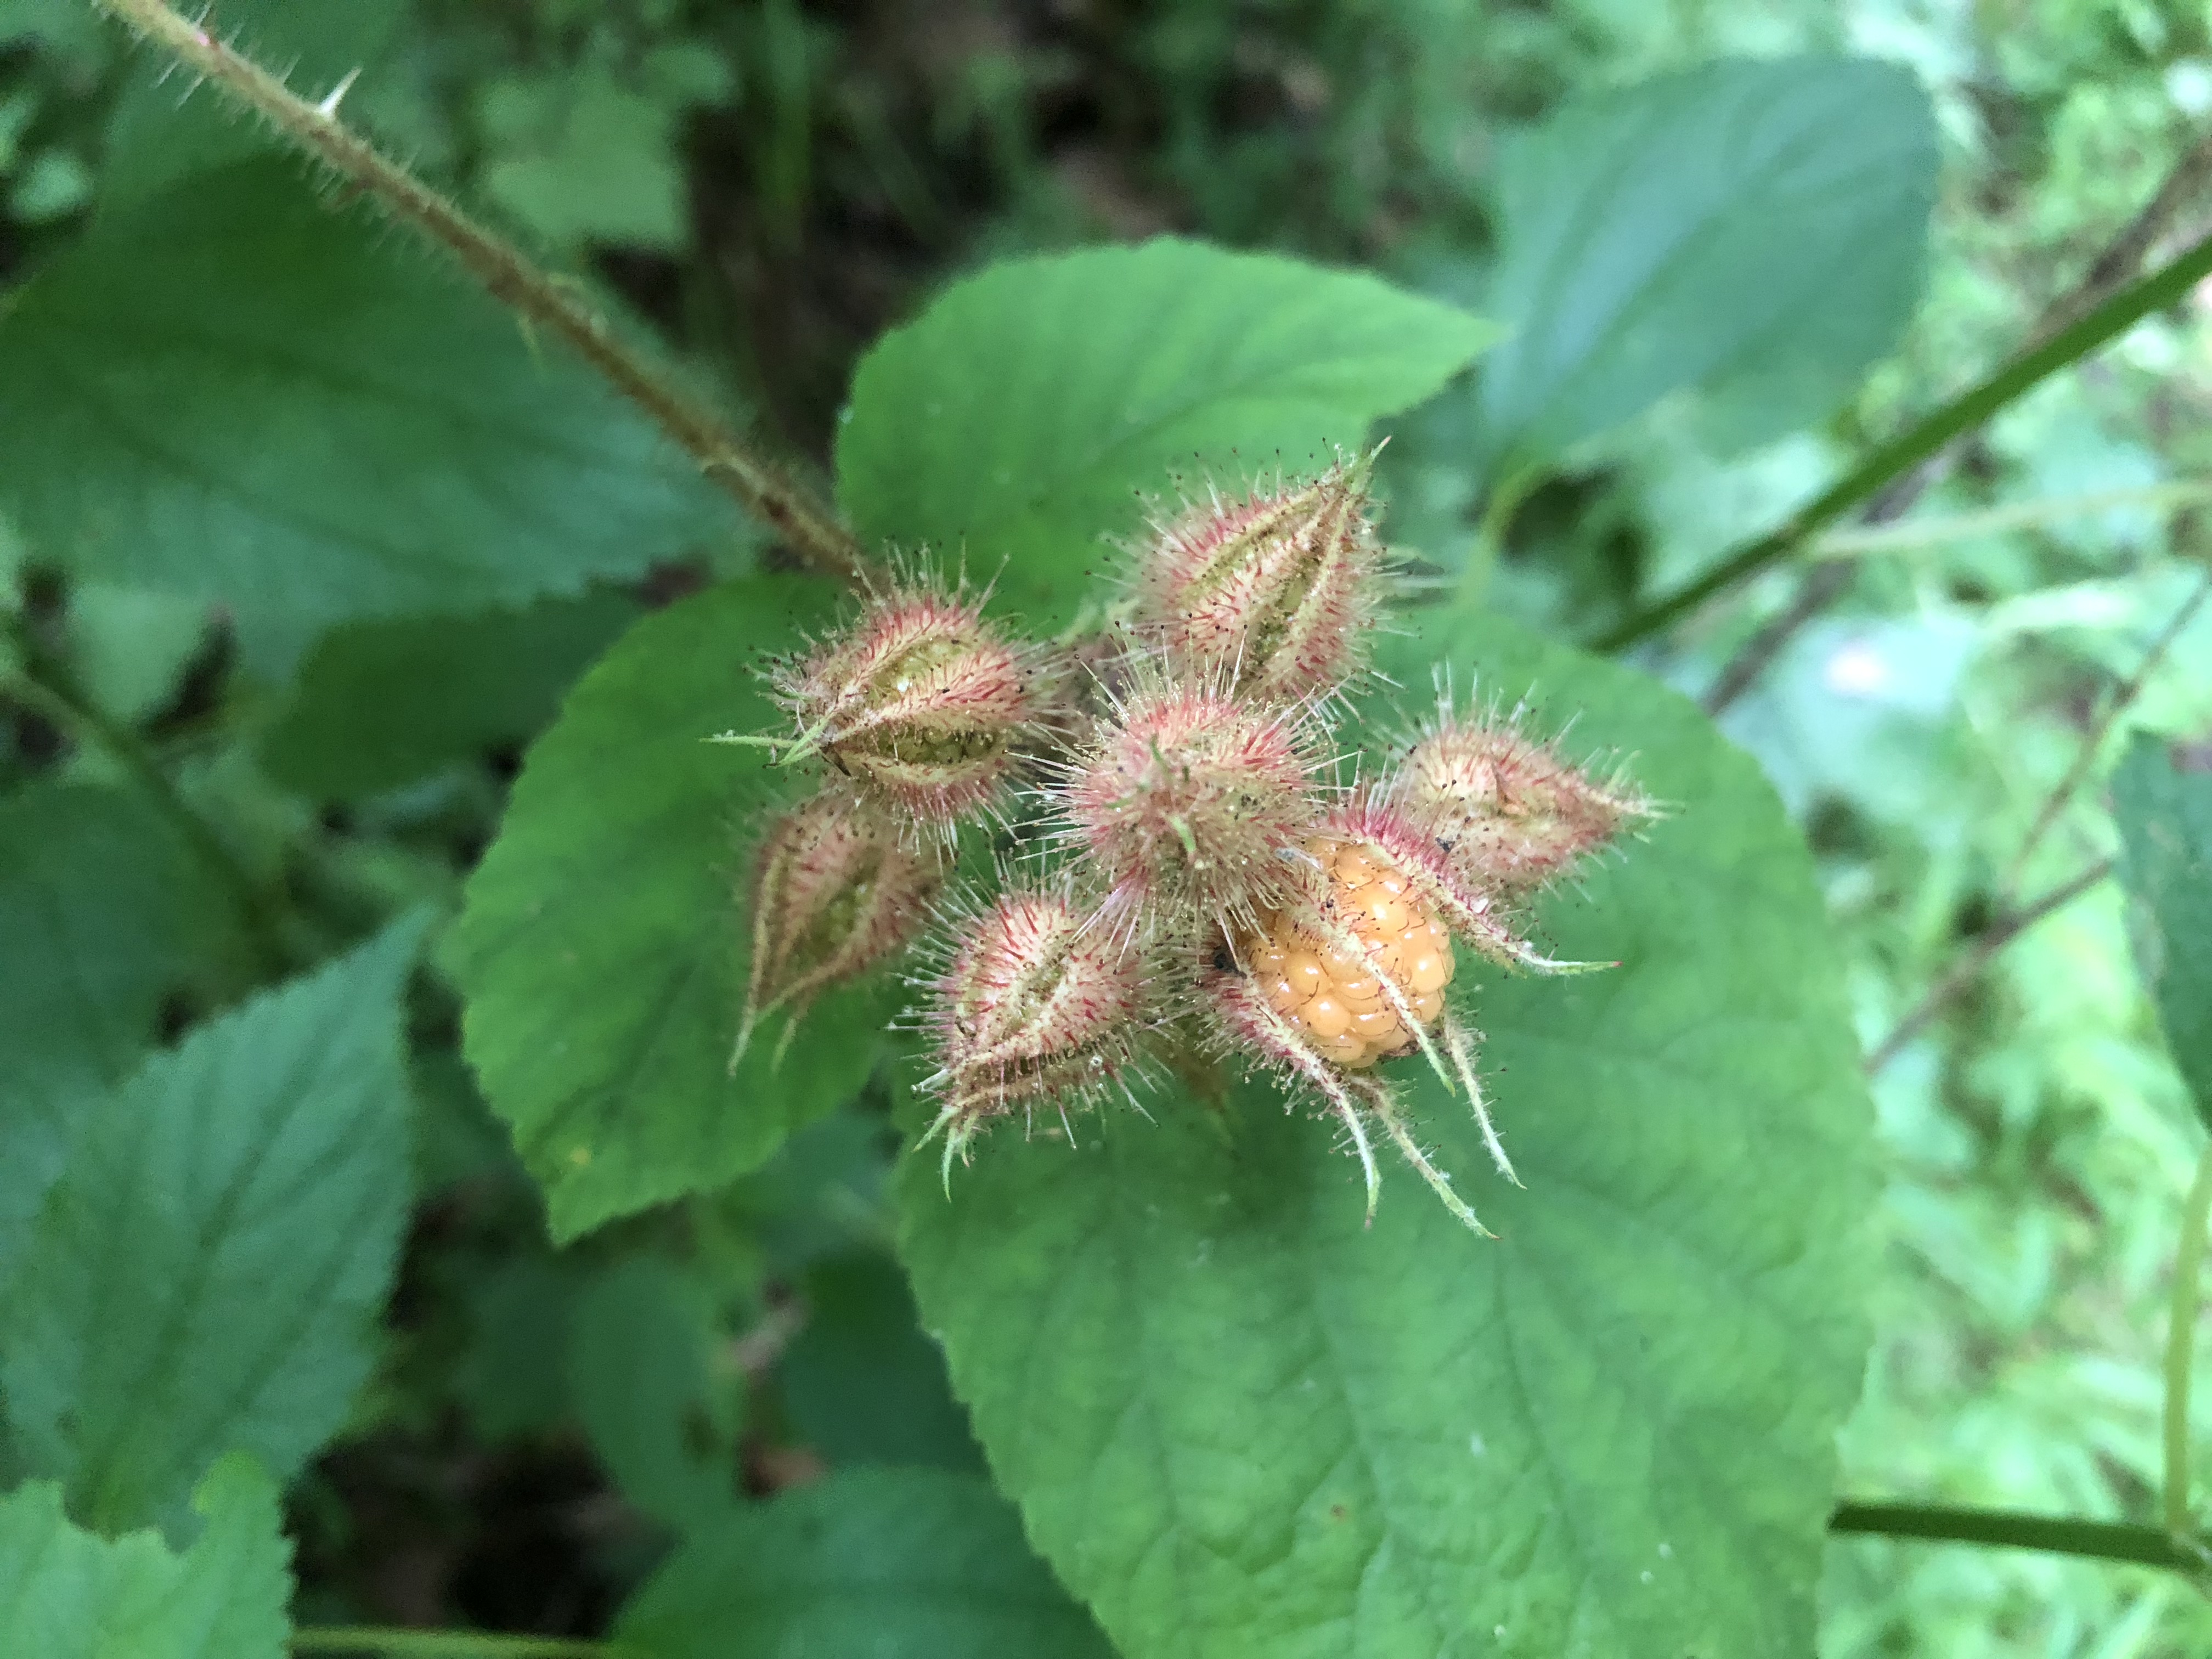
(2085, 761)
(2101, 1541)
(2121, 259)
(445, 1644)
(1935, 531)
(1963, 972)
(503, 271)
(1819, 588)
(1922, 440)
(2181, 1343)
(44, 695)
(2123, 255)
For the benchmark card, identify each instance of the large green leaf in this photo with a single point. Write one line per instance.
(232, 392)
(520, 1310)
(2165, 824)
(602, 951)
(1755, 230)
(897, 1564)
(105, 913)
(66, 1594)
(105, 910)
(1238, 1424)
(861, 1381)
(205, 1274)
(1020, 416)
(380, 704)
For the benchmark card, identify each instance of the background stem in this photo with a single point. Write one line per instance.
(1925, 438)
(2102, 1540)
(1963, 972)
(759, 488)
(2085, 760)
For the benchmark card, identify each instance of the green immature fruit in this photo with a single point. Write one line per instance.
(835, 891)
(1038, 1007)
(921, 703)
(1510, 814)
(1190, 805)
(1276, 591)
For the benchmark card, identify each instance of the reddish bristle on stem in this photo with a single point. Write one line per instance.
(835, 892)
(1038, 1007)
(921, 702)
(1189, 806)
(1510, 814)
(1276, 591)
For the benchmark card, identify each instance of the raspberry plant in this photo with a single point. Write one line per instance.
(1207, 861)
(1070, 801)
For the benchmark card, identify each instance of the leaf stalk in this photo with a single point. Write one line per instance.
(502, 271)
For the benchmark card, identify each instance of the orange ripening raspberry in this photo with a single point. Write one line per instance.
(1354, 976)
(1335, 995)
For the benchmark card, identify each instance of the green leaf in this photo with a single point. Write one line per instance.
(897, 1564)
(70, 33)
(232, 392)
(1754, 230)
(65, 1593)
(105, 910)
(128, 649)
(1022, 414)
(105, 914)
(861, 1381)
(1239, 1423)
(207, 1272)
(2165, 816)
(601, 951)
(380, 704)
(641, 1374)
(519, 1312)
(599, 159)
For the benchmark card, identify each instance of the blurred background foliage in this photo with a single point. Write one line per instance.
(772, 184)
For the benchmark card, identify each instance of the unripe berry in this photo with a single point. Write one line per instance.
(1038, 1007)
(836, 890)
(1510, 813)
(921, 702)
(1277, 590)
(1190, 805)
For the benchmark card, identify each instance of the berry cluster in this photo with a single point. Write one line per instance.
(1174, 782)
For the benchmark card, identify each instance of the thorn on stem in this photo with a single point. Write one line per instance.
(328, 108)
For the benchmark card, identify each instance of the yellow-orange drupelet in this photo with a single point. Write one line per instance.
(1333, 995)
